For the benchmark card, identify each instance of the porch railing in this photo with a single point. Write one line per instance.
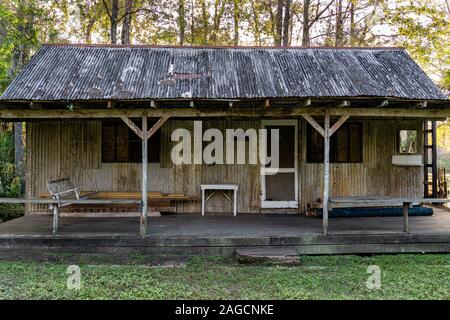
(56, 203)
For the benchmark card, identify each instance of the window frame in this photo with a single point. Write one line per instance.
(132, 139)
(399, 143)
(333, 144)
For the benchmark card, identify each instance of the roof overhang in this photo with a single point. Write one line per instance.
(372, 107)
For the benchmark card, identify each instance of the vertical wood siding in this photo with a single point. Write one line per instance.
(72, 148)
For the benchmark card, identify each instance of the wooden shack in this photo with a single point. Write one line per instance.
(344, 115)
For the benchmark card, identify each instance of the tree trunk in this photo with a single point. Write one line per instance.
(126, 25)
(339, 41)
(352, 24)
(113, 18)
(286, 24)
(205, 22)
(88, 32)
(192, 22)
(279, 23)
(236, 22)
(181, 21)
(219, 9)
(305, 28)
(256, 26)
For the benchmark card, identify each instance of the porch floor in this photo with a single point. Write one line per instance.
(347, 235)
(243, 225)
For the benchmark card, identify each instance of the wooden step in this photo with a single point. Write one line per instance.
(283, 256)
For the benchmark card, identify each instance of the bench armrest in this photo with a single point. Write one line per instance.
(62, 193)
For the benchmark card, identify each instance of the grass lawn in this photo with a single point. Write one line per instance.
(331, 277)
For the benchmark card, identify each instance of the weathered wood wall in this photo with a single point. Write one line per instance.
(72, 148)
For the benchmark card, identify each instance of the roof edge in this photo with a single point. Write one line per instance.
(106, 45)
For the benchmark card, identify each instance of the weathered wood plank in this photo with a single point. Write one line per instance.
(68, 201)
(326, 172)
(144, 179)
(315, 125)
(156, 126)
(9, 114)
(338, 124)
(133, 127)
(406, 206)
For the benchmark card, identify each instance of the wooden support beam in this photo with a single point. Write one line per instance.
(423, 104)
(338, 124)
(326, 173)
(307, 103)
(344, 103)
(133, 127)
(383, 104)
(79, 113)
(406, 206)
(55, 219)
(144, 181)
(156, 126)
(315, 125)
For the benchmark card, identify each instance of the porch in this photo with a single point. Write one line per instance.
(192, 234)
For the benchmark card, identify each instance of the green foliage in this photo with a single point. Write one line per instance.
(9, 184)
(10, 211)
(423, 28)
(447, 80)
(326, 277)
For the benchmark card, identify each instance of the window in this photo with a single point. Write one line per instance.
(346, 144)
(121, 144)
(408, 142)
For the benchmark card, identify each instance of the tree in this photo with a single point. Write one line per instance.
(126, 25)
(286, 22)
(279, 23)
(236, 18)
(112, 14)
(310, 19)
(181, 21)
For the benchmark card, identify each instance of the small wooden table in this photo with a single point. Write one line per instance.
(219, 187)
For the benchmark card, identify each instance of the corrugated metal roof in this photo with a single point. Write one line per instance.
(79, 72)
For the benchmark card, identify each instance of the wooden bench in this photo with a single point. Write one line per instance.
(406, 203)
(65, 189)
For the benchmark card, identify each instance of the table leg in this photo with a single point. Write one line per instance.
(235, 202)
(55, 218)
(406, 206)
(203, 202)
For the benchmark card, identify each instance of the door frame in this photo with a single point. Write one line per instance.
(292, 204)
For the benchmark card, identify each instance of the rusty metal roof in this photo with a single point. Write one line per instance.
(83, 72)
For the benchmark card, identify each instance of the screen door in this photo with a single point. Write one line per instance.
(280, 187)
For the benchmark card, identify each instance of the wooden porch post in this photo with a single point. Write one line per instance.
(406, 206)
(326, 132)
(145, 135)
(326, 172)
(143, 227)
